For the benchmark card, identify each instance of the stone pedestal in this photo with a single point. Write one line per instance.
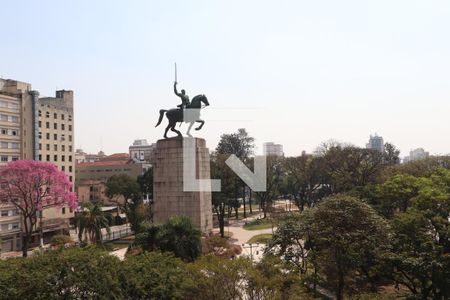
(170, 199)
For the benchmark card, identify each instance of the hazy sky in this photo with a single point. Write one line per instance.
(292, 72)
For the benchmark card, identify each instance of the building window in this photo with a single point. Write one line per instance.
(63, 168)
(62, 117)
(70, 158)
(63, 210)
(47, 147)
(40, 146)
(40, 157)
(55, 126)
(70, 138)
(4, 213)
(40, 135)
(47, 114)
(63, 158)
(55, 136)
(40, 124)
(63, 127)
(4, 158)
(48, 157)
(14, 132)
(70, 127)
(63, 147)
(47, 124)
(40, 113)
(55, 116)
(14, 158)
(70, 148)
(70, 168)
(70, 178)
(70, 118)
(47, 135)
(55, 147)
(55, 157)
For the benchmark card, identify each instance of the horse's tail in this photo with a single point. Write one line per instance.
(161, 115)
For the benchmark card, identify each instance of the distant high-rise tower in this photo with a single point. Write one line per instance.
(270, 148)
(376, 143)
(416, 154)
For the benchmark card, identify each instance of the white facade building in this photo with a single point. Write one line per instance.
(271, 148)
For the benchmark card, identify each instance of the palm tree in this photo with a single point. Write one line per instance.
(90, 221)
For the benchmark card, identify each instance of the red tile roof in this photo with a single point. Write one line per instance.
(111, 160)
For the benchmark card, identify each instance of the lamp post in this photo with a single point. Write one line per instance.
(250, 246)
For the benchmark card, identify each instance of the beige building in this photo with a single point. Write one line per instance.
(91, 177)
(81, 156)
(56, 145)
(40, 129)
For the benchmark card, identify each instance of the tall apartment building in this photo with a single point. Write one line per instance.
(56, 145)
(270, 148)
(16, 142)
(375, 143)
(40, 129)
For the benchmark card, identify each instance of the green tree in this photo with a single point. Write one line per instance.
(419, 262)
(391, 154)
(274, 175)
(395, 194)
(341, 238)
(70, 274)
(154, 275)
(222, 200)
(217, 278)
(178, 235)
(90, 221)
(348, 168)
(145, 182)
(122, 186)
(305, 179)
(126, 188)
(240, 144)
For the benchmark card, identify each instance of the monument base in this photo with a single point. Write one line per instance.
(169, 197)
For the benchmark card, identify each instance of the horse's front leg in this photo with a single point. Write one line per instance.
(174, 130)
(189, 129)
(167, 129)
(201, 125)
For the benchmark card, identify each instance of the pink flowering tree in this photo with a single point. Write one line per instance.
(32, 186)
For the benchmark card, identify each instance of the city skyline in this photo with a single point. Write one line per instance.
(298, 74)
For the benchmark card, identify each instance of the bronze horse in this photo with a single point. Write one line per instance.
(190, 115)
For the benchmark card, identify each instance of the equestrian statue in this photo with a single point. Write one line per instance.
(187, 112)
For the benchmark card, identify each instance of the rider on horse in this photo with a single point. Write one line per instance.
(184, 98)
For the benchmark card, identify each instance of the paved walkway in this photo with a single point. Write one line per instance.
(241, 236)
(120, 253)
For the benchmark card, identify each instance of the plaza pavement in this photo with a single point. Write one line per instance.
(241, 236)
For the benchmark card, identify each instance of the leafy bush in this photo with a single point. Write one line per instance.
(61, 240)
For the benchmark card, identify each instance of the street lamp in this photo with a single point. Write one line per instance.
(250, 246)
